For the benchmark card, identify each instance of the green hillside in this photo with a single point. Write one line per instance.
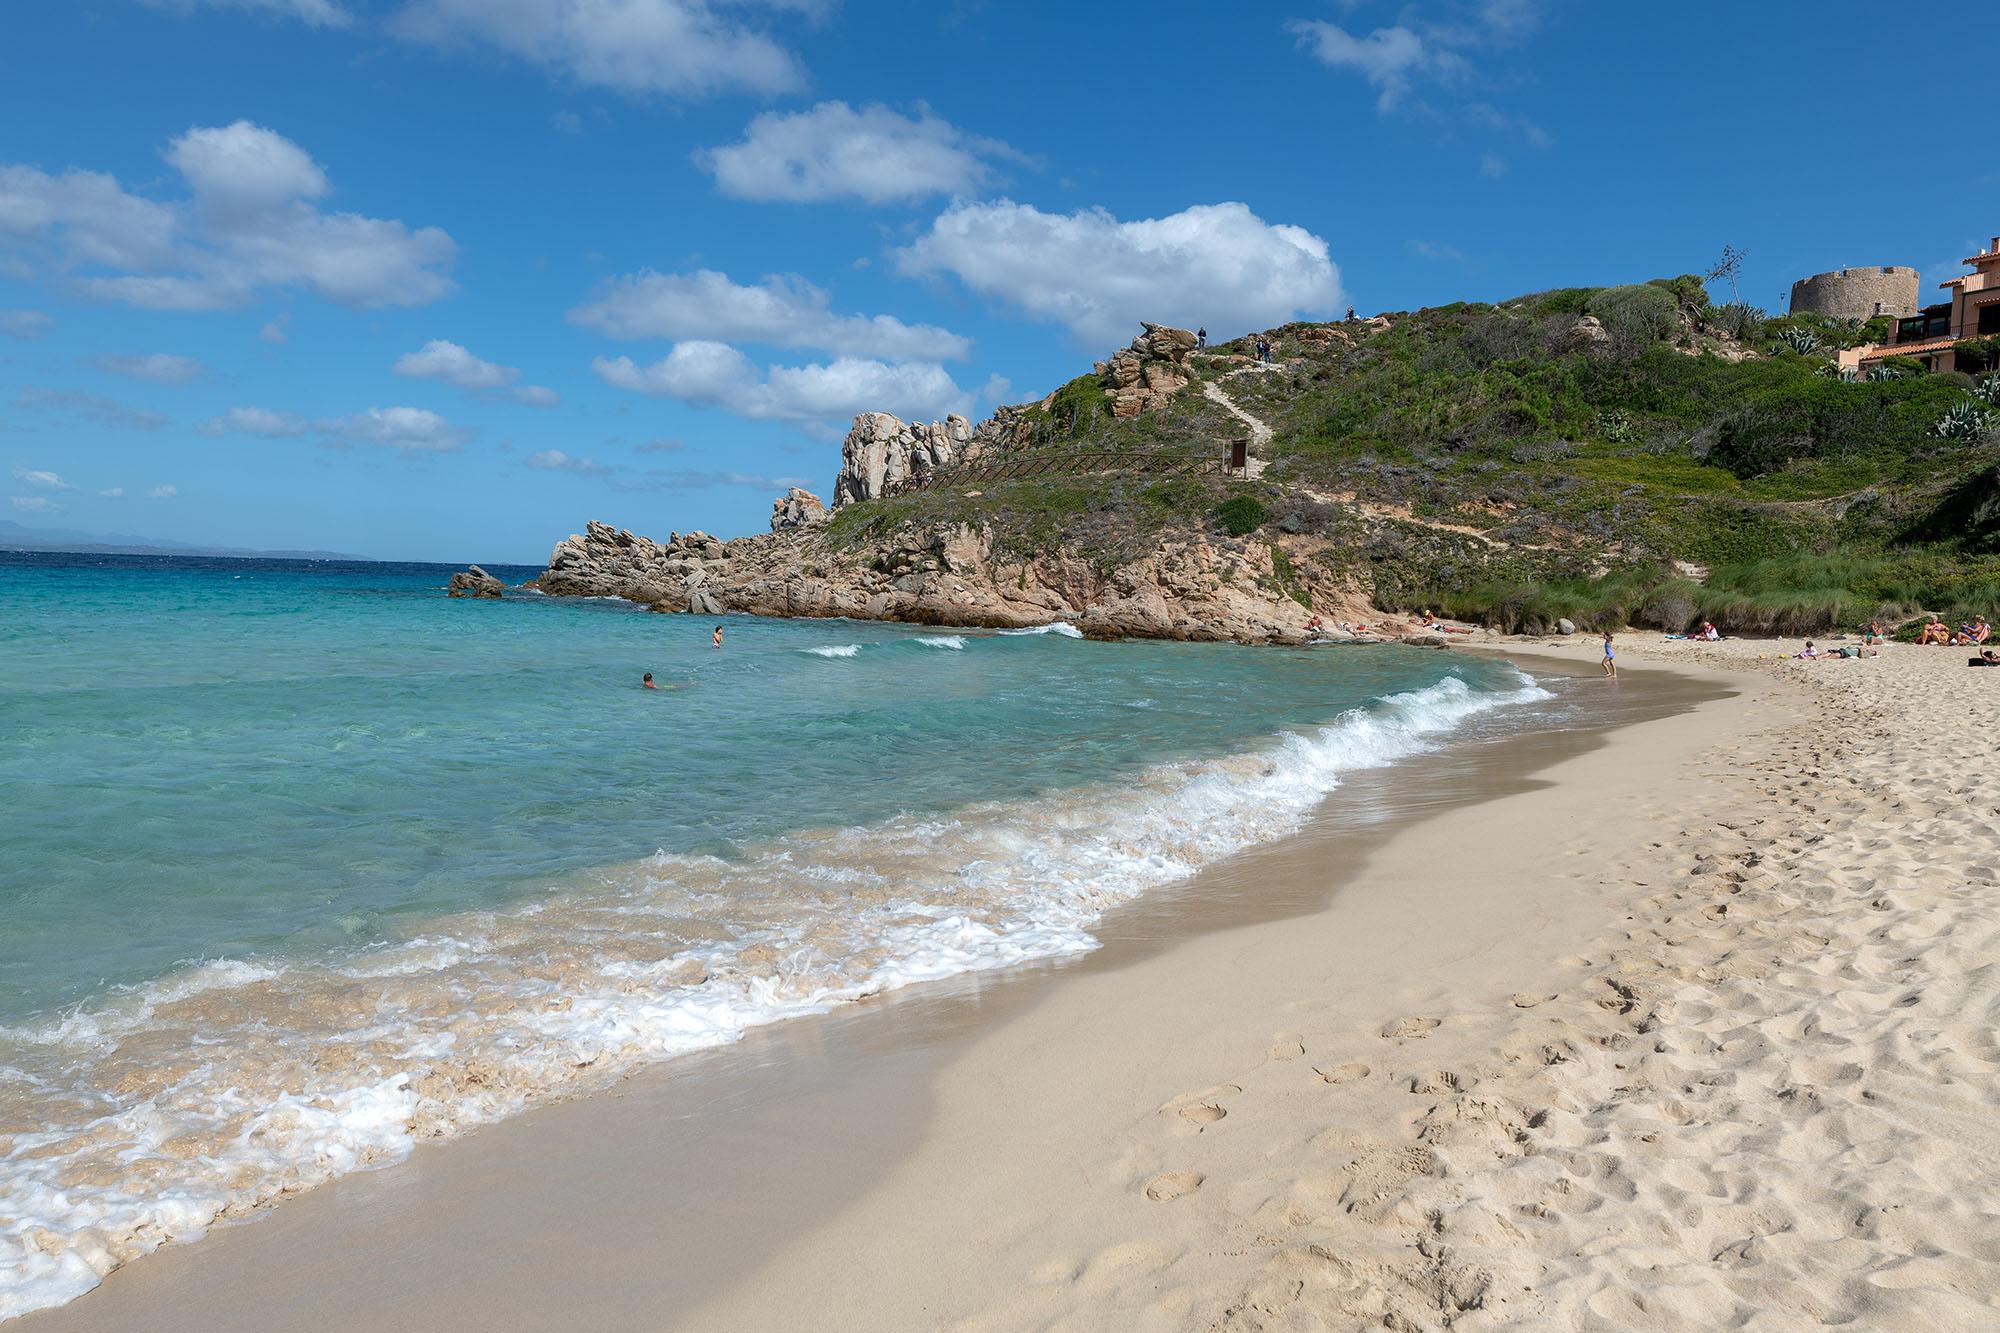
(1672, 460)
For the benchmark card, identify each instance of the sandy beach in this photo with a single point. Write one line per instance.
(1688, 1029)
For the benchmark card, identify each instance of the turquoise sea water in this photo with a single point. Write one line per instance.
(304, 863)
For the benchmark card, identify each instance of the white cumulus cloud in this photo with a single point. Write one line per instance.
(450, 363)
(41, 480)
(35, 504)
(676, 47)
(1389, 58)
(257, 421)
(409, 429)
(90, 406)
(25, 324)
(114, 493)
(1214, 265)
(713, 374)
(163, 492)
(835, 151)
(316, 13)
(158, 367)
(251, 222)
(780, 311)
(555, 460)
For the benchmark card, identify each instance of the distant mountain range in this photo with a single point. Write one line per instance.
(15, 537)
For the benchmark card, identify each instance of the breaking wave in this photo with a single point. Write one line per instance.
(149, 1115)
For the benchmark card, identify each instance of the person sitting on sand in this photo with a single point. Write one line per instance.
(1871, 634)
(1981, 631)
(1314, 624)
(1811, 654)
(1709, 632)
(1935, 632)
(647, 683)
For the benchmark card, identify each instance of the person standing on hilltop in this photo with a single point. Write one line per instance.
(1201, 337)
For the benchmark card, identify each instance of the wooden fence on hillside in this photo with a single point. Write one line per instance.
(1233, 461)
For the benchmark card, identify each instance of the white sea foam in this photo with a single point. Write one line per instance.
(941, 641)
(834, 650)
(1062, 627)
(215, 1091)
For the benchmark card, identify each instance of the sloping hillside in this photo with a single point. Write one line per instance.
(1615, 455)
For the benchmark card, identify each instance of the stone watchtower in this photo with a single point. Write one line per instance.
(1858, 293)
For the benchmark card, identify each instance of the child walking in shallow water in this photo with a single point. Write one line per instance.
(1610, 658)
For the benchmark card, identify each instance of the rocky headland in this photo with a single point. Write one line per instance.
(1592, 457)
(1182, 581)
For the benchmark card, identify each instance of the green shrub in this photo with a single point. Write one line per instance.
(1241, 515)
(1794, 338)
(1976, 356)
(1637, 314)
(1745, 323)
(1966, 419)
(1687, 291)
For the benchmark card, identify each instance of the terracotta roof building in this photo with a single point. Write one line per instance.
(1930, 335)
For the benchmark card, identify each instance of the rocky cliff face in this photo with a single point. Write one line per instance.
(882, 450)
(796, 508)
(1148, 372)
(1189, 586)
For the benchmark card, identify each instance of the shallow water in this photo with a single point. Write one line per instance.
(306, 863)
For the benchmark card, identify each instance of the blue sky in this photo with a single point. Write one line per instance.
(441, 279)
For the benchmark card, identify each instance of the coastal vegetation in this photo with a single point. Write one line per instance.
(1627, 454)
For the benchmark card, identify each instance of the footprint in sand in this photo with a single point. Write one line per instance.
(1436, 1081)
(1173, 1185)
(1409, 1027)
(1346, 1073)
(1528, 999)
(1287, 1047)
(1202, 1113)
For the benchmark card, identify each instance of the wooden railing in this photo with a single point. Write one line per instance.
(1072, 463)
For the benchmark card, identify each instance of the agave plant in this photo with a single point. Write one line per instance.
(1963, 420)
(1801, 340)
(1988, 390)
(1876, 374)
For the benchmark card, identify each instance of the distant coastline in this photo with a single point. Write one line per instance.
(64, 541)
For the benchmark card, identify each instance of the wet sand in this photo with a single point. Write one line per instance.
(899, 1163)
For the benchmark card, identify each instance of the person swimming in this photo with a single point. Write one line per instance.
(647, 683)
(716, 641)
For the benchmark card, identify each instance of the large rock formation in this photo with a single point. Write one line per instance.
(1147, 372)
(603, 561)
(1188, 585)
(796, 508)
(473, 581)
(882, 450)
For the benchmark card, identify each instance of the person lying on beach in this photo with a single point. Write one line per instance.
(1987, 657)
